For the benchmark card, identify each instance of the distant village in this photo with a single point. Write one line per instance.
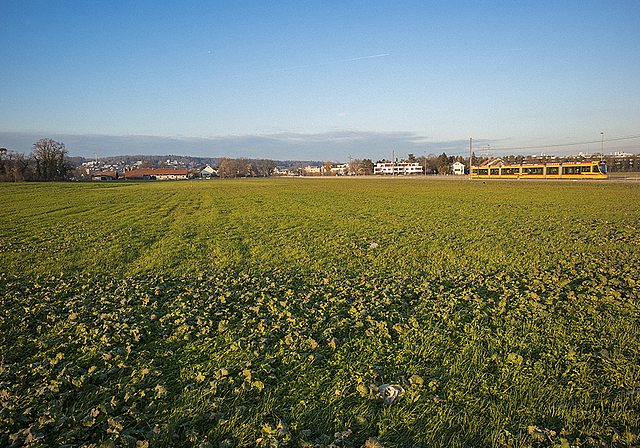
(182, 167)
(49, 160)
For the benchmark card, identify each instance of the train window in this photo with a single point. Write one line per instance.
(586, 169)
(603, 168)
(552, 170)
(474, 171)
(510, 171)
(570, 170)
(495, 171)
(483, 171)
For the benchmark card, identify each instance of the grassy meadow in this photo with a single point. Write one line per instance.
(267, 312)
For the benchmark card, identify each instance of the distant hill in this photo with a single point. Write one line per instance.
(189, 161)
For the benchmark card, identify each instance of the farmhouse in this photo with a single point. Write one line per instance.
(207, 172)
(458, 168)
(396, 169)
(104, 175)
(159, 174)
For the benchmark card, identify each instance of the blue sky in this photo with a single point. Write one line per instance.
(287, 80)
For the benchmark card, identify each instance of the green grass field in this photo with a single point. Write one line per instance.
(267, 313)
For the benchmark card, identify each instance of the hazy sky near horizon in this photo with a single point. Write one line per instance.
(419, 75)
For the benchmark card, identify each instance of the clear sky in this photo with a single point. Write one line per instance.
(290, 80)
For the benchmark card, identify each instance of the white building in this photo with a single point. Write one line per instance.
(313, 170)
(403, 168)
(207, 172)
(340, 169)
(458, 168)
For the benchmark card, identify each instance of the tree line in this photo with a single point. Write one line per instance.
(232, 168)
(357, 167)
(432, 163)
(47, 161)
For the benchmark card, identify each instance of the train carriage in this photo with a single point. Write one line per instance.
(566, 170)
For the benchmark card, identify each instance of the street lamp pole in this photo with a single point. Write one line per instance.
(602, 147)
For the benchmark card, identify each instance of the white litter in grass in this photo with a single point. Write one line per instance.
(390, 393)
(373, 245)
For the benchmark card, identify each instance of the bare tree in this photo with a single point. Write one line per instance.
(326, 168)
(14, 167)
(225, 169)
(361, 167)
(81, 173)
(232, 168)
(251, 169)
(266, 167)
(354, 167)
(50, 159)
(427, 163)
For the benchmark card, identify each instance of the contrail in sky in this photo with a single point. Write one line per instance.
(365, 57)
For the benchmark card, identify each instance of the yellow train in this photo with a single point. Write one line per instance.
(566, 170)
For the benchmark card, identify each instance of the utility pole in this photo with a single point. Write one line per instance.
(602, 147)
(393, 163)
(470, 140)
(425, 162)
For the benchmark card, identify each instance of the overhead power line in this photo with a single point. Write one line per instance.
(559, 145)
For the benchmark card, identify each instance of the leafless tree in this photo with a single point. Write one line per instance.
(81, 173)
(326, 168)
(232, 168)
(14, 167)
(50, 160)
(251, 169)
(266, 167)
